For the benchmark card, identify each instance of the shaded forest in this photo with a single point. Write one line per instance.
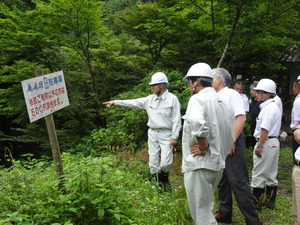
(109, 50)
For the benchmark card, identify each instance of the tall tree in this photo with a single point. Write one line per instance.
(154, 24)
(72, 38)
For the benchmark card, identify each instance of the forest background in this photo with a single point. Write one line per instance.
(109, 50)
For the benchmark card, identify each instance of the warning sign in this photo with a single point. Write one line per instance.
(45, 95)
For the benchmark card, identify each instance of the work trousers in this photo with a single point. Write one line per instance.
(235, 179)
(296, 186)
(200, 185)
(296, 194)
(265, 168)
(160, 152)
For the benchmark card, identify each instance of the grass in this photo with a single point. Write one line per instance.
(281, 215)
(115, 188)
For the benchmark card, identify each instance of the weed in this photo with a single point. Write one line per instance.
(113, 188)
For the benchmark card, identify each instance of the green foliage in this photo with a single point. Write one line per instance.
(106, 48)
(100, 190)
(12, 101)
(113, 188)
(104, 139)
(247, 128)
(155, 25)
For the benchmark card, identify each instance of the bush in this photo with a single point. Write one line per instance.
(104, 139)
(97, 190)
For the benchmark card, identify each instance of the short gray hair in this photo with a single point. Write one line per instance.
(254, 84)
(223, 74)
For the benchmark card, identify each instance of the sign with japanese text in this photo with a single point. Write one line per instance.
(45, 94)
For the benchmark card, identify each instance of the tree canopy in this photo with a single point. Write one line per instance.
(108, 49)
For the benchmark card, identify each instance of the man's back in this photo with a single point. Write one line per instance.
(209, 116)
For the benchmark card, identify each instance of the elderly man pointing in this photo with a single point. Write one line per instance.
(164, 122)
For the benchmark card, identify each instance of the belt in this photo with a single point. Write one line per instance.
(257, 139)
(160, 129)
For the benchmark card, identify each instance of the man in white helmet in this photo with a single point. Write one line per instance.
(207, 136)
(235, 177)
(266, 150)
(164, 122)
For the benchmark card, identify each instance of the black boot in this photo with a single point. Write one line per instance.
(271, 193)
(258, 194)
(157, 178)
(165, 181)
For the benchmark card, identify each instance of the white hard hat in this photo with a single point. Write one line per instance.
(266, 85)
(158, 78)
(298, 77)
(199, 70)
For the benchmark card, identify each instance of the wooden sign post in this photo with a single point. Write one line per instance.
(44, 95)
(53, 141)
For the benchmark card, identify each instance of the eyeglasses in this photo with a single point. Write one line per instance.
(260, 92)
(191, 80)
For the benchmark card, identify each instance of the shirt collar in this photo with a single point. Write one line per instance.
(163, 96)
(223, 89)
(207, 89)
(262, 105)
(298, 96)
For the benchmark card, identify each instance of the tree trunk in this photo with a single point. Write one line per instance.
(231, 34)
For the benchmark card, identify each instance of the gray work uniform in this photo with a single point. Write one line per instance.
(235, 177)
(164, 122)
(265, 168)
(208, 116)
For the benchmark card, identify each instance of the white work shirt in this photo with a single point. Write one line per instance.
(245, 102)
(163, 111)
(296, 113)
(234, 99)
(209, 116)
(278, 101)
(297, 154)
(269, 119)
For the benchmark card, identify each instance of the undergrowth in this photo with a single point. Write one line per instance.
(113, 188)
(97, 190)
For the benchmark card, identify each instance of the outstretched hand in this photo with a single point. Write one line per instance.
(109, 104)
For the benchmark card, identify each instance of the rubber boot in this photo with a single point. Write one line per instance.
(258, 194)
(165, 181)
(271, 193)
(157, 178)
